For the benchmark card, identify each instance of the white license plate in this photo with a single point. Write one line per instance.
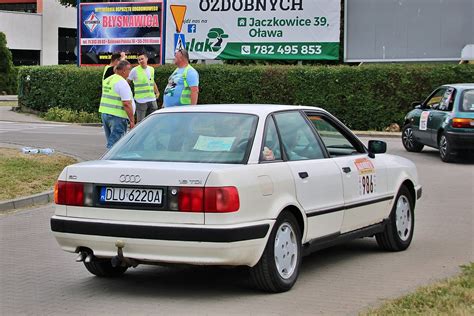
(131, 195)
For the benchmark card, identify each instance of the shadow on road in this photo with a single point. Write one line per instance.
(190, 281)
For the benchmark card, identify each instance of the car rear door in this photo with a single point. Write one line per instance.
(364, 179)
(318, 180)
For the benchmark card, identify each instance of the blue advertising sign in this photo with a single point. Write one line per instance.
(130, 27)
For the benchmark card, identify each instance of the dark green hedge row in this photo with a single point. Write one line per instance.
(364, 97)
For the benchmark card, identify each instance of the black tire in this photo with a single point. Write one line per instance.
(409, 141)
(103, 268)
(397, 236)
(445, 151)
(265, 274)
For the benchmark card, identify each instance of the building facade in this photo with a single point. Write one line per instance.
(39, 32)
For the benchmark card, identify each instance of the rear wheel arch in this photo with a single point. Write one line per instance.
(298, 215)
(440, 132)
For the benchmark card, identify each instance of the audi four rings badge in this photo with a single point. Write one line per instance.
(130, 178)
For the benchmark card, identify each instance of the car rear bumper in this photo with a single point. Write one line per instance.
(461, 141)
(190, 244)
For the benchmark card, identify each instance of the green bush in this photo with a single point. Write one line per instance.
(8, 73)
(71, 116)
(365, 97)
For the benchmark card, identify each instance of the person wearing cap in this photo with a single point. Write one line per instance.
(116, 104)
(183, 84)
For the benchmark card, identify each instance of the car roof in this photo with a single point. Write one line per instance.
(460, 85)
(256, 109)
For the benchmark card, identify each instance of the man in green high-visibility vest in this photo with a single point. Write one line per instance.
(146, 90)
(116, 104)
(183, 84)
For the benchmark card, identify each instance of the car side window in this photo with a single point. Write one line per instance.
(467, 104)
(435, 99)
(298, 139)
(447, 102)
(271, 150)
(336, 142)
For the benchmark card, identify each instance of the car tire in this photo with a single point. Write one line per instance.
(279, 266)
(398, 231)
(103, 268)
(409, 141)
(445, 151)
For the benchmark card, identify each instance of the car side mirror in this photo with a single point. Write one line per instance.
(377, 147)
(417, 105)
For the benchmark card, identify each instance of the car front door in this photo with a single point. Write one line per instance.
(318, 180)
(440, 112)
(423, 133)
(364, 178)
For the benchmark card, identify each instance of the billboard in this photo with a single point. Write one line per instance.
(407, 30)
(130, 27)
(254, 29)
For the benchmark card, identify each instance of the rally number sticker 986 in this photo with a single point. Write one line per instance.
(367, 176)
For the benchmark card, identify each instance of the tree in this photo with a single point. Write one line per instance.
(7, 72)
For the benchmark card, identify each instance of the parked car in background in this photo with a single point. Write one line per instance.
(445, 120)
(235, 185)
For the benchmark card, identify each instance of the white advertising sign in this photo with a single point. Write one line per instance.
(254, 29)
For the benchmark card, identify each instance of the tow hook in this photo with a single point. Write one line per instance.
(119, 259)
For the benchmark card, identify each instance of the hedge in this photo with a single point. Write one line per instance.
(368, 97)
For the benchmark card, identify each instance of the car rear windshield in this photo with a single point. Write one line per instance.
(467, 101)
(189, 137)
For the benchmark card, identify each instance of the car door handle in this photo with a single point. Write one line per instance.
(346, 169)
(303, 175)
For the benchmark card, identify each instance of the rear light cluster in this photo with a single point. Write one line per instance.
(208, 199)
(463, 123)
(184, 199)
(69, 193)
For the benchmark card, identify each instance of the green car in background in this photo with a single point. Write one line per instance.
(445, 120)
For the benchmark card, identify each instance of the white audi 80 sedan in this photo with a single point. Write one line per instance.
(233, 185)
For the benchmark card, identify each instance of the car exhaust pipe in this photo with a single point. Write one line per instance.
(82, 255)
(89, 258)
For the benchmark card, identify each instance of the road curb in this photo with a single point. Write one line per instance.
(36, 199)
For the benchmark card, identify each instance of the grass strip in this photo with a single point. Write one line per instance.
(454, 296)
(27, 174)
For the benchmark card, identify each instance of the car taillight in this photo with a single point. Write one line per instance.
(221, 200)
(190, 199)
(462, 123)
(69, 193)
(208, 200)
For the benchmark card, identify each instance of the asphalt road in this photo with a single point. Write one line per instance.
(36, 277)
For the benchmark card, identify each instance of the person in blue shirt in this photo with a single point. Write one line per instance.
(183, 84)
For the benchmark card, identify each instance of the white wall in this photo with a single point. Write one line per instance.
(23, 30)
(54, 16)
